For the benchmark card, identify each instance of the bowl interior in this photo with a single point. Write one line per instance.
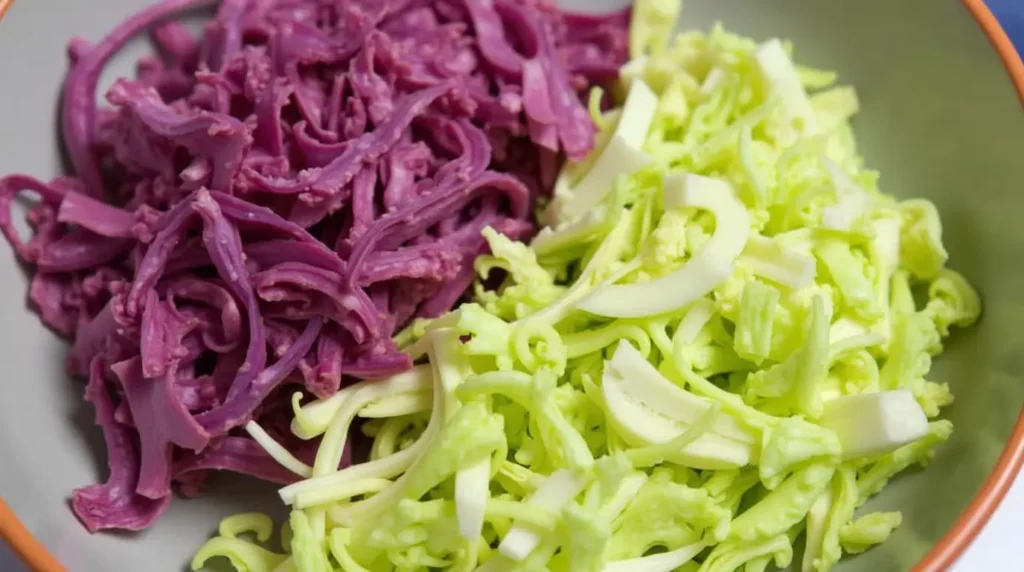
(940, 120)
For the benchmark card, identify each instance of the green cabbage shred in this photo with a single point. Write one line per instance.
(515, 400)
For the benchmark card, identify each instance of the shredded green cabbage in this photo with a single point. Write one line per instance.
(680, 431)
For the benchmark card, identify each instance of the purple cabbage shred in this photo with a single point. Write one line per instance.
(268, 202)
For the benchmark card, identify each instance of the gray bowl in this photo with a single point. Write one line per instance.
(941, 119)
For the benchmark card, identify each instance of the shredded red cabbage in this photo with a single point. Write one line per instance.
(263, 206)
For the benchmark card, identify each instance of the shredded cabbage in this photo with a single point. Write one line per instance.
(271, 196)
(580, 426)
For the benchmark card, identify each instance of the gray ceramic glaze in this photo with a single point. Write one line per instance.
(940, 119)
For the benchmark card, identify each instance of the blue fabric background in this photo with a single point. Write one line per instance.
(1010, 14)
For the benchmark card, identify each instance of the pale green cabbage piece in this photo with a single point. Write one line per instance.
(666, 513)
(830, 513)
(651, 26)
(516, 375)
(868, 530)
(793, 386)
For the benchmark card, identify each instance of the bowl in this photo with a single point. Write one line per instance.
(941, 119)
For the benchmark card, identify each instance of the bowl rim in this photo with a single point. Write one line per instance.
(940, 558)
